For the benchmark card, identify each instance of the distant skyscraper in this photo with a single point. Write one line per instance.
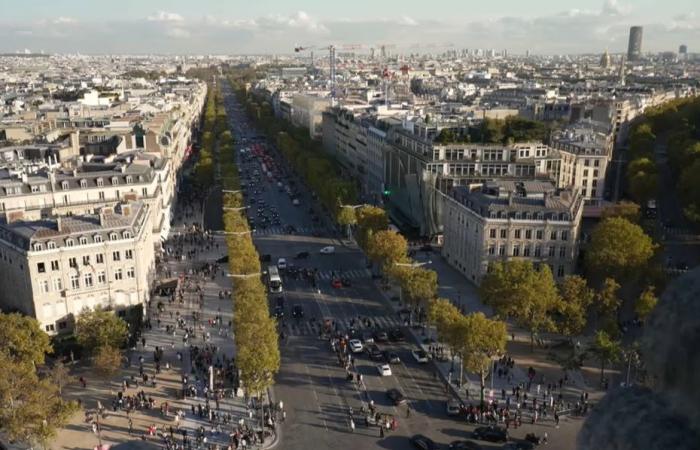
(605, 60)
(683, 49)
(634, 48)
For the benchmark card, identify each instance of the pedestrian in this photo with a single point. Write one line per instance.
(381, 432)
(352, 425)
(83, 382)
(408, 412)
(131, 426)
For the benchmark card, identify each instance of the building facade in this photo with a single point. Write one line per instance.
(504, 220)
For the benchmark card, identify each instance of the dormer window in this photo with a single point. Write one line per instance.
(69, 242)
(126, 235)
(97, 238)
(100, 182)
(129, 179)
(113, 237)
(115, 181)
(83, 184)
(64, 185)
(51, 245)
(83, 240)
(38, 247)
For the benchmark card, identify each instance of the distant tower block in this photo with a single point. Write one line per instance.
(605, 60)
(634, 48)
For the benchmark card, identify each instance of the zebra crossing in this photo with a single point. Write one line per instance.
(303, 327)
(283, 230)
(351, 274)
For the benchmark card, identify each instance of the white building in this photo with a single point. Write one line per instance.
(53, 268)
(503, 220)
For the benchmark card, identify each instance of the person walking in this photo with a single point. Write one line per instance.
(408, 412)
(352, 425)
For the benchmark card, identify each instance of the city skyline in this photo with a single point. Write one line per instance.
(545, 27)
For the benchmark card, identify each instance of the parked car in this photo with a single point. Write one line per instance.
(465, 445)
(491, 434)
(297, 312)
(420, 356)
(336, 283)
(392, 357)
(374, 352)
(422, 442)
(327, 250)
(345, 282)
(281, 263)
(265, 258)
(396, 396)
(302, 255)
(355, 345)
(396, 335)
(381, 336)
(384, 370)
(518, 445)
(453, 408)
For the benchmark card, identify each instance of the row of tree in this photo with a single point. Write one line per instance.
(497, 131)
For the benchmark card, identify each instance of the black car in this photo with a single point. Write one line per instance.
(381, 336)
(266, 258)
(374, 352)
(280, 301)
(297, 312)
(279, 311)
(345, 282)
(396, 396)
(518, 445)
(391, 357)
(465, 445)
(491, 434)
(423, 442)
(396, 335)
(302, 255)
(222, 260)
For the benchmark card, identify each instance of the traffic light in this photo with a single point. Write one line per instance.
(387, 192)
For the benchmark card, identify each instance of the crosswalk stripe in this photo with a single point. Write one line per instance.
(304, 328)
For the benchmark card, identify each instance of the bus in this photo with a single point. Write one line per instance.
(274, 281)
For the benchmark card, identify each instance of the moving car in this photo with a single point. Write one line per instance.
(453, 408)
(297, 312)
(327, 250)
(384, 370)
(395, 396)
(392, 357)
(279, 311)
(381, 336)
(420, 356)
(374, 352)
(355, 345)
(491, 434)
(281, 263)
(345, 282)
(423, 442)
(336, 283)
(465, 445)
(397, 335)
(302, 255)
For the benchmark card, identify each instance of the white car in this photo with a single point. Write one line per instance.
(420, 356)
(327, 250)
(281, 264)
(384, 370)
(355, 345)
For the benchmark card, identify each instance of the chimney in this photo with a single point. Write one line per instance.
(510, 198)
(59, 224)
(126, 209)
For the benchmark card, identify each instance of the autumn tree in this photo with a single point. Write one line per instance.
(60, 376)
(107, 360)
(516, 290)
(607, 350)
(623, 209)
(100, 328)
(386, 248)
(607, 306)
(370, 220)
(646, 302)
(346, 217)
(618, 247)
(642, 179)
(419, 285)
(576, 299)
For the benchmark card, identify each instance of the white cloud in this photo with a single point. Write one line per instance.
(405, 20)
(62, 20)
(164, 16)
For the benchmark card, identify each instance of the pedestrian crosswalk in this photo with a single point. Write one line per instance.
(283, 230)
(305, 327)
(351, 274)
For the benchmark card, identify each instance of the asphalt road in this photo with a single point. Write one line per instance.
(311, 383)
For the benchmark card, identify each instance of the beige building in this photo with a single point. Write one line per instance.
(503, 220)
(53, 268)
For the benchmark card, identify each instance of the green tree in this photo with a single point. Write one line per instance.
(107, 360)
(347, 217)
(419, 285)
(646, 302)
(386, 248)
(60, 376)
(23, 339)
(515, 289)
(618, 247)
(370, 220)
(626, 210)
(608, 305)
(642, 180)
(607, 350)
(576, 299)
(100, 328)
(689, 190)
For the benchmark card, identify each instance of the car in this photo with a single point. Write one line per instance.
(420, 356)
(327, 250)
(384, 370)
(392, 357)
(396, 335)
(374, 352)
(279, 312)
(422, 442)
(281, 263)
(265, 258)
(280, 301)
(491, 434)
(395, 396)
(381, 336)
(465, 445)
(316, 233)
(336, 283)
(302, 255)
(345, 282)
(453, 408)
(518, 445)
(355, 345)
(222, 260)
(367, 338)
(297, 312)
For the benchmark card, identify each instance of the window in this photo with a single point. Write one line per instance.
(64, 185)
(118, 275)
(516, 250)
(54, 265)
(492, 233)
(49, 328)
(553, 236)
(144, 192)
(564, 235)
(101, 278)
(38, 247)
(129, 179)
(83, 240)
(128, 254)
(517, 233)
(130, 272)
(504, 233)
(51, 245)
(560, 271)
(100, 258)
(552, 251)
(62, 325)
(83, 184)
(540, 234)
(57, 284)
(492, 249)
(115, 256)
(74, 281)
(69, 242)
(562, 252)
(115, 181)
(528, 234)
(86, 260)
(526, 250)
(538, 251)
(126, 235)
(100, 183)
(101, 195)
(97, 238)
(72, 262)
(113, 237)
(87, 279)
(502, 250)
(44, 286)
(41, 267)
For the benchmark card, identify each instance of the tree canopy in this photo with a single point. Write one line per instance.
(618, 247)
(100, 328)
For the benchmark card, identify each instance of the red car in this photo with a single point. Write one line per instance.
(336, 283)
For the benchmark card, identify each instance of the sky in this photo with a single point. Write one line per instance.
(276, 26)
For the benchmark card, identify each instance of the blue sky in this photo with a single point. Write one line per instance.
(236, 26)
